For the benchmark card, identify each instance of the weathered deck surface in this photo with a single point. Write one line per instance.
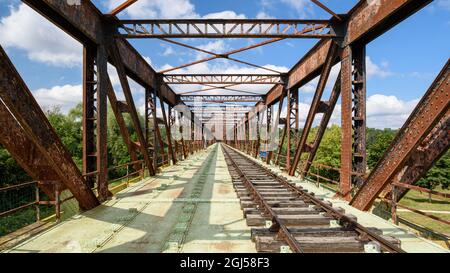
(410, 242)
(190, 207)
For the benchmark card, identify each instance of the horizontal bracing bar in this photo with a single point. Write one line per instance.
(223, 79)
(226, 28)
(222, 98)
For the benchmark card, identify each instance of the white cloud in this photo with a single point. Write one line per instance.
(173, 9)
(168, 51)
(43, 42)
(66, 97)
(157, 8)
(382, 112)
(227, 14)
(263, 15)
(302, 7)
(373, 69)
(381, 105)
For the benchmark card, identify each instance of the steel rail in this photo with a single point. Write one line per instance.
(290, 239)
(342, 218)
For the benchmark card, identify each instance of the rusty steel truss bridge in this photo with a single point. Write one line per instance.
(27, 134)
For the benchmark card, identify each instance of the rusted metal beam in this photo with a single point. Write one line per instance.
(301, 146)
(168, 133)
(369, 19)
(345, 181)
(223, 98)
(121, 7)
(222, 79)
(321, 5)
(90, 31)
(424, 157)
(366, 21)
(219, 56)
(150, 126)
(20, 102)
(224, 28)
(115, 53)
(89, 94)
(359, 113)
(122, 125)
(25, 152)
(331, 103)
(102, 128)
(429, 111)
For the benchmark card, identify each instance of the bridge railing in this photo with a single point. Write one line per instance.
(395, 205)
(16, 199)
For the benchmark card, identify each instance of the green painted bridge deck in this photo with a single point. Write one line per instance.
(189, 207)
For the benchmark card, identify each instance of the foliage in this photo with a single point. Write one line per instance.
(439, 174)
(377, 143)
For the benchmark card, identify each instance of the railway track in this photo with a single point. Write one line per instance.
(287, 218)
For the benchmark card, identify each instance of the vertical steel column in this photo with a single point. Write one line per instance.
(281, 142)
(150, 126)
(102, 106)
(247, 134)
(269, 130)
(302, 145)
(171, 124)
(258, 134)
(89, 112)
(168, 133)
(359, 119)
(192, 141)
(288, 129)
(345, 185)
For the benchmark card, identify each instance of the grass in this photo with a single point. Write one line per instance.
(427, 222)
(420, 201)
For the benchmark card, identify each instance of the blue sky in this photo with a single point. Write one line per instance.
(401, 64)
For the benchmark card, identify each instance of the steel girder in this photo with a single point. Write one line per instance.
(89, 113)
(314, 109)
(102, 119)
(328, 111)
(366, 21)
(353, 119)
(16, 96)
(222, 98)
(167, 126)
(222, 79)
(429, 111)
(121, 72)
(226, 28)
(423, 158)
(84, 22)
(26, 152)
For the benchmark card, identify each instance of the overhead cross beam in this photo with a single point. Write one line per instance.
(222, 79)
(225, 28)
(428, 112)
(90, 31)
(17, 100)
(222, 98)
(225, 55)
(121, 7)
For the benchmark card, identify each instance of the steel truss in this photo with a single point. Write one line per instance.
(222, 79)
(226, 28)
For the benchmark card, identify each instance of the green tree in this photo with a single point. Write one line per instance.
(68, 128)
(377, 143)
(439, 174)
